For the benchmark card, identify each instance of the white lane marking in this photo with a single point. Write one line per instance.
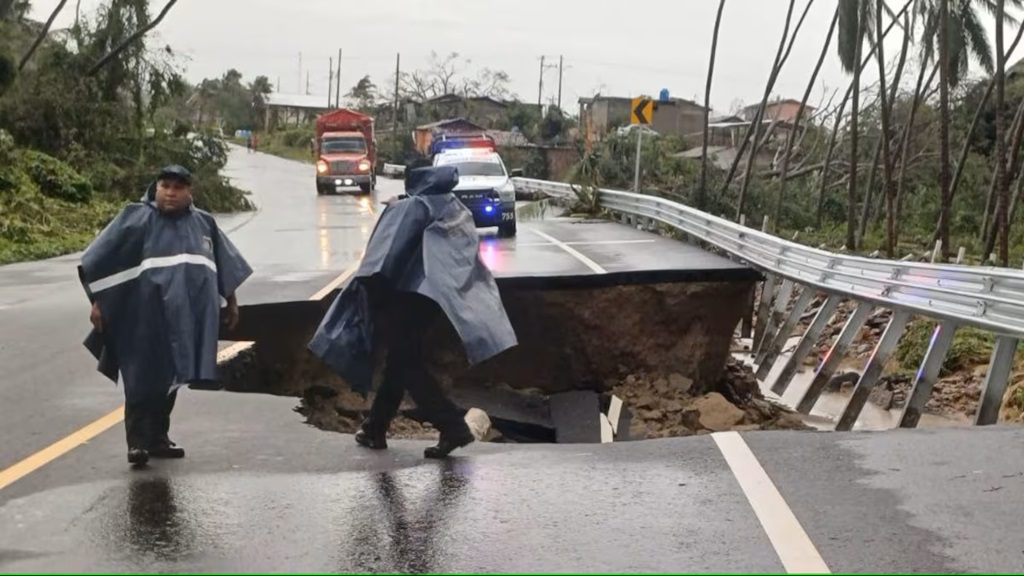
(793, 546)
(591, 243)
(149, 264)
(572, 252)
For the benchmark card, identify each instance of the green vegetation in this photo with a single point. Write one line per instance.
(971, 347)
(86, 123)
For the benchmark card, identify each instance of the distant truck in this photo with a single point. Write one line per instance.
(346, 150)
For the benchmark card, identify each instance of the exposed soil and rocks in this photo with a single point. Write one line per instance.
(662, 406)
(956, 393)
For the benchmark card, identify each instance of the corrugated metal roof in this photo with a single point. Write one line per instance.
(305, 101)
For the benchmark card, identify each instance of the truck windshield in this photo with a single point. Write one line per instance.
(480, 169)
(343, 145)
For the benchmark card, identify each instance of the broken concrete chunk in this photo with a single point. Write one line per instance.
(717, 413)
(680, 383)
(479, 423)
(577, 417)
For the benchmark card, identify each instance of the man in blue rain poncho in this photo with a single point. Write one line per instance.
(155, 277)
(422, 260)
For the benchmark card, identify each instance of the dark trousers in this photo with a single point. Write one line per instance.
(147, 419)
(405, 370)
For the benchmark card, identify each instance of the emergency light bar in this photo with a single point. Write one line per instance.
(444, 142)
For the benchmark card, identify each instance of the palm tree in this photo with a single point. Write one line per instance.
(1002, 184)
(702, 190)
(784, 171)
(958, 28)
(855, 24)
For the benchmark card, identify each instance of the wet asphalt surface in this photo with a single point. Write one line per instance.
(261, 491)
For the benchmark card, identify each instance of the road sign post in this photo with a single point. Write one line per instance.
(640, 114)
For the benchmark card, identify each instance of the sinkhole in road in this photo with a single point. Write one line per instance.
(618, 363)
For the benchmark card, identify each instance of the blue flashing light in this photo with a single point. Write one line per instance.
(488, 209)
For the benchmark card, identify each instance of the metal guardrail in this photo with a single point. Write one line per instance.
(986, 297)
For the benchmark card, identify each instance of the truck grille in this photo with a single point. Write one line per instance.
(343, 167)
(473, 199)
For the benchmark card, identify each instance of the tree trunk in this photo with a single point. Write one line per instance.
(756, 144)
(799, 116)
(851, 200)
(702, 191)
(755, 126)
(865, 209)
(946, 198)
(890, 230)
(1003, 206)
(908, 133)
(988, 230)
(839, 117)
(42, 35)
(131, 39)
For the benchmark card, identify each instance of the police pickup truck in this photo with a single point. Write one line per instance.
(484, 186)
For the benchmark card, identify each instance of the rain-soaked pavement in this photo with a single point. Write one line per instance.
(260, 491)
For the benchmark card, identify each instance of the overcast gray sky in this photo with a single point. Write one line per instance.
(610, 46)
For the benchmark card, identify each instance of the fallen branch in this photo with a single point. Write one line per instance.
(42, 35)
(131, 39)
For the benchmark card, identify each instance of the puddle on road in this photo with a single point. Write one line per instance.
(830, 405)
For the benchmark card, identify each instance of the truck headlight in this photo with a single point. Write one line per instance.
(321, 167)
(364, 166)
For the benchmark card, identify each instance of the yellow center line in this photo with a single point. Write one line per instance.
(61, 447)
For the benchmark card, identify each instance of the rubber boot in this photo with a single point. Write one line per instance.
(449, 442)
(372, 436)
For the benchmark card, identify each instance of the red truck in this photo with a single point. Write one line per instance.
(346, 151)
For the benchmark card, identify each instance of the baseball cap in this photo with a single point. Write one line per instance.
(175, 172)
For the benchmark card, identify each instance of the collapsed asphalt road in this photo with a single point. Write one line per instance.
(297, 242)
(259, 491)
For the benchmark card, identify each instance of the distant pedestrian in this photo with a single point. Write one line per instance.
(155, 277)
(249, 142)
(255, 142)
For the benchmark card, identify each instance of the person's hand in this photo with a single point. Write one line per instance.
(95, 317)
(231, 313)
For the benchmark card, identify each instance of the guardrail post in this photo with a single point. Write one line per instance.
(928, 373)
(781, 302)
(763, 307)
(807, 342)
(869, 378)
(960, 255)
(774, 348)
(834, 357)
(998, 376)
(747, 321)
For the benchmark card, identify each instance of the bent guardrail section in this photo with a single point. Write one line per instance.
(986, 297)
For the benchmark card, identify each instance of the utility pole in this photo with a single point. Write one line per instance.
(398, 72)
(298, 87)
(330, 81)
(307, 83)
(540, 86)
(278, 85)
(337, 94)
(561, 61)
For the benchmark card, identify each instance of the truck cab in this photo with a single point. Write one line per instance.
(346, 151)
(485, 187)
